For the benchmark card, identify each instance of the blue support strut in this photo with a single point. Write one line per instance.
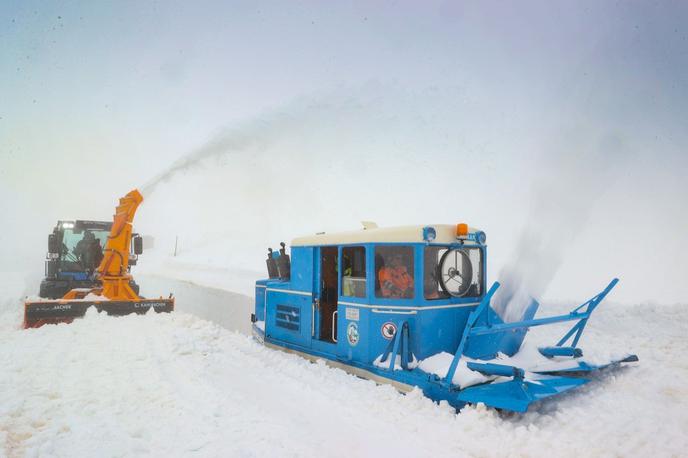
(575, 331)
(592, 304)
(399, 345)
(472, 318)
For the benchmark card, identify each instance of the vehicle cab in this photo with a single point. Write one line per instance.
(66, 268)
(342, 296)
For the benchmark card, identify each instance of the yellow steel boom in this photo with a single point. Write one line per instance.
(113, 269)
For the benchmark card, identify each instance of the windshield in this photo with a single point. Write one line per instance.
(82, 249)
(452, 272)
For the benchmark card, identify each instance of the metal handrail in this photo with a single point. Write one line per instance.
(313, 319)
(394, 312)
(334, 322)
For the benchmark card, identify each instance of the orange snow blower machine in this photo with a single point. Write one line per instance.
(114, 294)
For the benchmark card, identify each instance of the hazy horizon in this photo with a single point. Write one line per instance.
(560, 122)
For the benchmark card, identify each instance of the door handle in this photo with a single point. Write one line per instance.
(315, 304)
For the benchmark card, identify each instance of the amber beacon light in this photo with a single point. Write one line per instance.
(461, 230)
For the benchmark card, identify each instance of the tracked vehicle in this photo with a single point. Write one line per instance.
(410, 306)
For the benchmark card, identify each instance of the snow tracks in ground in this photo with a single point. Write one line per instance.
(175, 385)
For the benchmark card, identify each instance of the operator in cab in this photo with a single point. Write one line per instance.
(395, 280)
(89, 251)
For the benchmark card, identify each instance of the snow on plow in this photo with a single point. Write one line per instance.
(408, 306)
(512, 387)
(114, 294)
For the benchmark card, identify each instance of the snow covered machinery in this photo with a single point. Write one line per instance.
(408, 306)
(113, 293)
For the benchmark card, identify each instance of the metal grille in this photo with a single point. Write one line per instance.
(288, 317)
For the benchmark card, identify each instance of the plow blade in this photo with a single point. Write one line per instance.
(516, 395)
(580, 366)
(64, 311)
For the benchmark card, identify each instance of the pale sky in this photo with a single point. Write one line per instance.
(97, 98)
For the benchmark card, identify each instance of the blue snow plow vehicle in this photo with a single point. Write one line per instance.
(409, 306)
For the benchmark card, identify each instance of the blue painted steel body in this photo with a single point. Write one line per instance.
(464, 327)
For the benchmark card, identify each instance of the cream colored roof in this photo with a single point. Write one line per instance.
(446, 233)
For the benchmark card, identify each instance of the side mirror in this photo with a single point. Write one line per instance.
(138, 244)
(53, 244)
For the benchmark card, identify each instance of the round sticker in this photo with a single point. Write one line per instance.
(388, 330)
(352, 334)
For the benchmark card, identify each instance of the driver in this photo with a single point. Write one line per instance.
(395, 281)
(96, 250)
(89, 251)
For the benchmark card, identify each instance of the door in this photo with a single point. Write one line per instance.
(326, 304)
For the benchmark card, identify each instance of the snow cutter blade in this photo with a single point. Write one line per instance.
(38, 313)
(486, 334)
(517, 394)
(580, 366)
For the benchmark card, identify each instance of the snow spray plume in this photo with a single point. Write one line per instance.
(257, 134)
(232, 142)
(567, 185)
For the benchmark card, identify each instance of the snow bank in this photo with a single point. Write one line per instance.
(191, 268)
(228, 309)
(175, 385)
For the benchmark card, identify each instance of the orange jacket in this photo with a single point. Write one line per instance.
(395, 282)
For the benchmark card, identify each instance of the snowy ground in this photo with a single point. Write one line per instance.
(177, 385)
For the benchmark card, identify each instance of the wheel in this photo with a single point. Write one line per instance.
(455, 272)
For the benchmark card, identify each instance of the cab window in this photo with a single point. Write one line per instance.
(452, 272)
(431, 281)
(394, 272)
(353, 272)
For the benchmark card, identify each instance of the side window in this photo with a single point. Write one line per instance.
(353, 271)
(461, 272)
(431, 282)
(394, 271)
